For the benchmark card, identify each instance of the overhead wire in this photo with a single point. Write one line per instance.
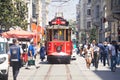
(59, 6)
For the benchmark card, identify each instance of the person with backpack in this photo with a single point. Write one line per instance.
(15, 58)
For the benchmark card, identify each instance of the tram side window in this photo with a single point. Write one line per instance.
(50, 34)
(66, 35)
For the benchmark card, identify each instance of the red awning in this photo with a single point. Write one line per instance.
(18, 34)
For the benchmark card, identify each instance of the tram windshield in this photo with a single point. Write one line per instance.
(58, 34)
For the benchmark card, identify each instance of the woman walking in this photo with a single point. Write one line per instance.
(88, 55)
(42, 52)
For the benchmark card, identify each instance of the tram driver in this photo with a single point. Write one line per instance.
(56, 35)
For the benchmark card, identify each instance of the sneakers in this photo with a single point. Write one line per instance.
(27, 68)
(37, 67)
(113, 69)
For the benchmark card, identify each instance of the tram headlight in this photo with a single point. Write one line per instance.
(58, 48)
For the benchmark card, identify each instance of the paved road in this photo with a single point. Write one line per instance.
(75, 71)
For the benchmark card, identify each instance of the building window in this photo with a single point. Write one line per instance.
(89, 12)
(97, 11)
(88, 24)
(118, 2)
(89, 1)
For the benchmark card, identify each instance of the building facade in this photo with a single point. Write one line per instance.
(84, 20)
(113, 19)
(37, 12)
(103, 15)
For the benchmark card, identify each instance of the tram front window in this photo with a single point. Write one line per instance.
(55, 34)
(61, 34)
(58, 34)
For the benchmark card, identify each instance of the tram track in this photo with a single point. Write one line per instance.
(33, 76)
(68, 74)
(78, 67)
(47, 76)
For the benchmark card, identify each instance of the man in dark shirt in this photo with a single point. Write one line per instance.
(15, 58)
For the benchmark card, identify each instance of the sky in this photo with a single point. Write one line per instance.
(68, 9)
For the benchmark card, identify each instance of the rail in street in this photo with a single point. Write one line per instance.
(75, 71)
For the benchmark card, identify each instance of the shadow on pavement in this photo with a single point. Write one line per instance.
(108, 74)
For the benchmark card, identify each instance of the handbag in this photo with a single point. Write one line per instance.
(31, 61)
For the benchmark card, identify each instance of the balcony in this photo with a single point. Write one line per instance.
(115, 6)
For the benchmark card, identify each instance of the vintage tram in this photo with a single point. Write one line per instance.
(58, 42)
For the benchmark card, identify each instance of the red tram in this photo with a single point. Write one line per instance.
(59, 44)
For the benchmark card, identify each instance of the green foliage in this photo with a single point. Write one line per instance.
(13, 14)
(93, 34)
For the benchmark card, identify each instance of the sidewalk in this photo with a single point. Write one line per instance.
(102, 73)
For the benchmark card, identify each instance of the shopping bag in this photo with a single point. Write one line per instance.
(31, 61)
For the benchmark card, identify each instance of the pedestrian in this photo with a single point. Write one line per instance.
(31, 55)
(42, 52)
(101, 46)
(116, 50)
(81, 49)
(88, 51)
(96, 51)
(93, 43)
(92, 46)
(113, 57)
(15, 58)
(106, 54)
(118, 56)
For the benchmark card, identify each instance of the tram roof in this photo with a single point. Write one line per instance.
(58, 27)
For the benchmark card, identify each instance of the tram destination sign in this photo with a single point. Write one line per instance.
(59, 21)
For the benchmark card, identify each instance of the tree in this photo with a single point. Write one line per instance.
(13, 13)
(93, 34)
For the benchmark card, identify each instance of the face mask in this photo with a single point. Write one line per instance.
(105, 45)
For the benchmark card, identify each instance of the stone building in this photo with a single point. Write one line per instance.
(113, 19)
(83, 19)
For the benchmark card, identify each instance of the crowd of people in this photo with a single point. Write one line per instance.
(105, 52)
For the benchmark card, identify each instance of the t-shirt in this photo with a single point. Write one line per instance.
(106, 49)
(112, 48)
(31, 48)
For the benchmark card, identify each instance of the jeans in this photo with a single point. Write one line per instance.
(113, 62)
(105, 57)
